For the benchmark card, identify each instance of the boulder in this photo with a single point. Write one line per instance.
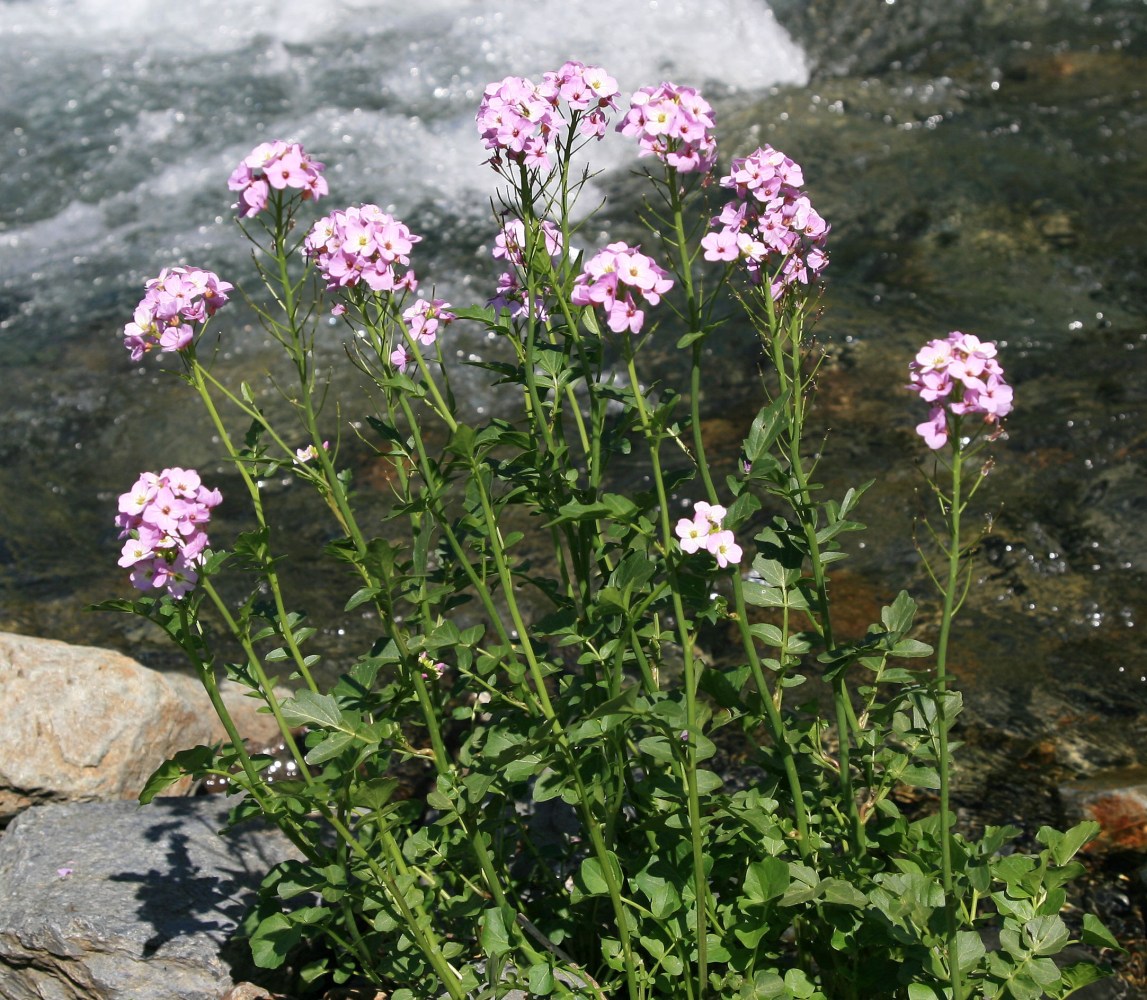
(80, 723)
(116, 901)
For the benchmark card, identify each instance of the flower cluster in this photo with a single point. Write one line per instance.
(163, 518)
(959, 376)
(426, 317)
(519, 119)
(363, 245)
(771, 227)
(275, 165)
(510, 245)
(672, 123)
(177, 300)
(610, 279)
(703, 531)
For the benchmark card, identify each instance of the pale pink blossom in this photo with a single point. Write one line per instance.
(161, 520)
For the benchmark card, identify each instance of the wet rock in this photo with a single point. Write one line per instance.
(79, 723)
(114, 901)
(1117, 801)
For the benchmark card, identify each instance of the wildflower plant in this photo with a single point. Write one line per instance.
(569, 830)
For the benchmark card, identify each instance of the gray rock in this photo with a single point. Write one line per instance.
(79, 723)
(115, 901)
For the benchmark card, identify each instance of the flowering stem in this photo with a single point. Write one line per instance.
(955, 507)
(700, 882)
(790, 369)
(196, 377)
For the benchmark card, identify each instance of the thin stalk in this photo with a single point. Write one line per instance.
(955, 508)
(700, 883)
(790, 369)
(197, 378)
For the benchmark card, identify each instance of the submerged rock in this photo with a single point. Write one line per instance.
(1117, 801)
(114, 901)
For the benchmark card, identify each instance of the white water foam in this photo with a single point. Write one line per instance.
(129, 114)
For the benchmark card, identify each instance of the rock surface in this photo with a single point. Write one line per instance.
(114, 901)
(80, 723)
(1117, 801)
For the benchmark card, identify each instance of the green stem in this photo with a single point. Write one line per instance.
(955, 508)
(790, 369)
(691, 677)
(197, 378)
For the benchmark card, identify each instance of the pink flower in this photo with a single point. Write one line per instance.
(309, 453)
(960, 376)
(691, 534)
(672, 123)
(176, 301)
(704, 530)
(608, 278)
(400, 357)
(425, 318)
(772, 227)
(724, 548)
(161, 520)
(934, 430)
(275, 165)
(520, 120)
(365, 246)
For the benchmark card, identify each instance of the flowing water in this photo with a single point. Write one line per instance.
(982, 164)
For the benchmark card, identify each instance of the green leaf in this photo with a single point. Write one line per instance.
(330, 747)
(897, 617)
(766, 879)
(837, 890)
(1046, 935)
(969, 949)
(540, 980)
(593, 875)
(361, 596)
(495, 938)
(523, 768)
(273, 940)
(1064, 846)
(310, 709)
(193, 761)
(921, 777)
(1098, 936)
(1080, 974)
(766, 428)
